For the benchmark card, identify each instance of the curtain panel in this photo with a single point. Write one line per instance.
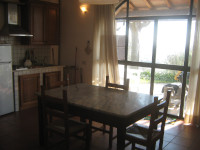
(105, 60)
(192, 111)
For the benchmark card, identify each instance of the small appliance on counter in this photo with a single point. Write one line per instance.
(27, 62)
(6, 80)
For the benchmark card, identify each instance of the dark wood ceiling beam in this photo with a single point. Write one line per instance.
(123, 6)
(189, 2)
(147, 2)
(132, 5)
(118, 10)
(168, 3)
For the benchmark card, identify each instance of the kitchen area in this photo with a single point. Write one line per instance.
(29, 50)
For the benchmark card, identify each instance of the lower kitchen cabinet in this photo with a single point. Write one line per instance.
(27, 83)
(52, 79)
(28, 86)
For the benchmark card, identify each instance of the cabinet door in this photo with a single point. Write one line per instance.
(37, 24)
(42, 20)
(29, 85)
(52, 79)
(52, 24)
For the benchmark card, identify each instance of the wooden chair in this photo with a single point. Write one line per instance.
(62, 125)
(117, 86)
(103, 129)
(148, 136)
(72, 75)
(52, 80)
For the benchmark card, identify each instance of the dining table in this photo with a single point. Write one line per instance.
(117, 108)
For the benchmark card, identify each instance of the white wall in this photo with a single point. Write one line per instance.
(76, 29)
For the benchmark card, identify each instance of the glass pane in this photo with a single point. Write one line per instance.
(145, 8)
(140, 78)
(191, 41)
(169, 79)
(121, 73)
(186, 91)
(121, 35)
(121, 11)
(140, 42)
(171, 42)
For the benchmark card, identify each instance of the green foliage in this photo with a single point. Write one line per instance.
(175, 59)
(164, 77)
(146, 75)
(160, 77)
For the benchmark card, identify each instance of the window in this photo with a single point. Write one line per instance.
(140, 42)
(121, 35)
(171, 42)
(155, 47)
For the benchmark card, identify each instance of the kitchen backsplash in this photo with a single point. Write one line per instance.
(9, 40)
(41, 53)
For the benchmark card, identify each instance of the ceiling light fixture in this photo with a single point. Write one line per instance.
(83, 8)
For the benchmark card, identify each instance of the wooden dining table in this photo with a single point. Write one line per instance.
(113, 107)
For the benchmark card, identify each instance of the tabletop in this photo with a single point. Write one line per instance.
(110, 101)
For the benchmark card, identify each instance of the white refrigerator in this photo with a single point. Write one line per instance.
(6, 80)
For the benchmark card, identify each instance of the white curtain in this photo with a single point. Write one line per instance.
(192, 112)
(104, 46)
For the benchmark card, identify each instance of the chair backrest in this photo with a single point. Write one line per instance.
(50, 81)
(55, 107)
(72, 75)
(117, 86)
(159, 114)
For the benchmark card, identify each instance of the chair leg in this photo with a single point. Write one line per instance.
(90, 124)
(45, 138)
(104, 128)
(88, 137)
(151, 146)
(110, 136)
(67, 142)
(50, 120)
(133, 146)
(161, 143)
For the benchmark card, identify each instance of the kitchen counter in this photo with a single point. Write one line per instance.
(26, 71)
(34, 67)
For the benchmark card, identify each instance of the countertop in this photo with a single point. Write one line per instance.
(17, 69)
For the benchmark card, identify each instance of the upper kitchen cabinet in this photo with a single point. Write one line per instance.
(52, 24)
(42, 20)
(37, 24)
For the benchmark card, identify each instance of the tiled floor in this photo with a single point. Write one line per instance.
(19, 131)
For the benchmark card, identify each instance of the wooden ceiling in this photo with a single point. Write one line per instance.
(158, 4)
(154, 5)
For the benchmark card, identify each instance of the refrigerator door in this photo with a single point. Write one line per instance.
(5, 53)
(6, 89)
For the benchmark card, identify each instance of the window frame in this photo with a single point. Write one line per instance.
(153, 65)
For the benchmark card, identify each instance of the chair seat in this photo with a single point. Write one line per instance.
(139, 132)
(74, 126)
(147, 136)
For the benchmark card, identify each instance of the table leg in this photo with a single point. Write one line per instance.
(40, 121)
(121, 131)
